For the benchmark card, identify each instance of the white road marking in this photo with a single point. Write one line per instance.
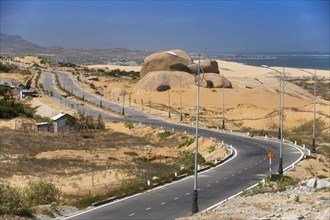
(239, 171)
(208, 185)
(132, 214)
(187, 194)
(245, 169)
(233, 174)
(217, 181)
(162, 203)
(225, 178)
(251, 166)
(198, 189)
(176, 198)
(148, 208)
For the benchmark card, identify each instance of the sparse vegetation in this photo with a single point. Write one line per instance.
(164, 134)
(187, 160)
(19, 201)
(128, 124)
(10, 108)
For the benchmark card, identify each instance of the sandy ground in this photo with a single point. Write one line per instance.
(251, 103)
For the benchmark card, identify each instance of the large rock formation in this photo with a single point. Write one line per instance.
(162, 61)
(209, 66)
(164, 79)
(218, 80)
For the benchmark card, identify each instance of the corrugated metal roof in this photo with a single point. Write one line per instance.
(43, 123)
(56, 117)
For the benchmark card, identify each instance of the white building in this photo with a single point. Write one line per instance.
(62, 122)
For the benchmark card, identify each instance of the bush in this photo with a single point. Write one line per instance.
(41, 193)
(129, 125)
(164, 134)
(294, 138)
(12, 201)
(187, 159)
(188, 142)
(10, 108)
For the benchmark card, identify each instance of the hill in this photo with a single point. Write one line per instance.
(15, 45)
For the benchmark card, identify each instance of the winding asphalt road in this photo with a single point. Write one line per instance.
(248, 165)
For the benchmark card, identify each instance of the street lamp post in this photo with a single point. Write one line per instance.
(313, 147)
(194, 208)
(181, 117)
(123, 110)
(281, 114)
(169, 104)
(223, 104)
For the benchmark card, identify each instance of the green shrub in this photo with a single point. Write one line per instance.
(41, 193)
(12, 201)
(132, 186)
(294, 138)
(10, 108)
(211, 148)
(164, 134)
(188, 142)
(129, 125)
(187, 159)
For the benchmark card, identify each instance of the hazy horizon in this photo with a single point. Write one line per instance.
(213, 27)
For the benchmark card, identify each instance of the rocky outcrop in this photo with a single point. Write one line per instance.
(218, 80)
(154, 80)
(162, 61)
(209, 66)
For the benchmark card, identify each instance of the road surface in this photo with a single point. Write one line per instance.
(248, 166)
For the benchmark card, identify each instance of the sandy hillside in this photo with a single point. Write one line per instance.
(252, 103)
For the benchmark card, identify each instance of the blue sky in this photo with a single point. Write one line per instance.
(194, 26)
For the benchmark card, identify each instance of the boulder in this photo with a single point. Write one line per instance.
(154, 80)
(218, 80)
(322, 183)
(209, 66)
(162, 61)
(312, 183)
(118, 92)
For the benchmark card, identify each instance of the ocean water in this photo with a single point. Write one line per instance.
(316, 61)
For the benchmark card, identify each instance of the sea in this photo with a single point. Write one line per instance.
(319, 61)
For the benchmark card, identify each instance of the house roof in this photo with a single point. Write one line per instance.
(56, 117)
(43, 123)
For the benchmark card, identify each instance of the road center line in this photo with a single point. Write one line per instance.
(132, 214)
(163, 203)
(148, 208)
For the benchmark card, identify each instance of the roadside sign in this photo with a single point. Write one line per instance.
(270, 154)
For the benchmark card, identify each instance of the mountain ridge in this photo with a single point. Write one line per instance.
(15, 45)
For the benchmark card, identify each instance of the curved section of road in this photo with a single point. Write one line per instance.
(247, 167)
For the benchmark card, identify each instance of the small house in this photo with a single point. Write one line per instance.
(63, 122)
(43, 126)
(24, 93)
